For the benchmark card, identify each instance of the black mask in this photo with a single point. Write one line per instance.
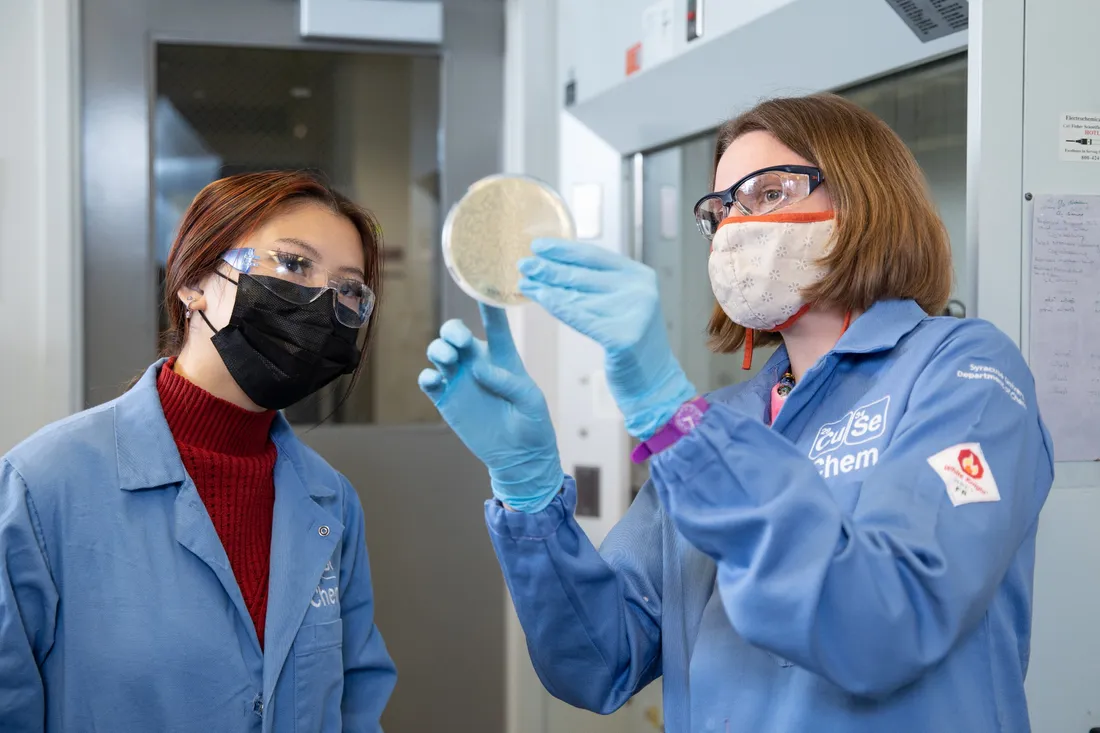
(279, 352)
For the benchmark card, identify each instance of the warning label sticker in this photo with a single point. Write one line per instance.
(932, 19)
(1079, 140)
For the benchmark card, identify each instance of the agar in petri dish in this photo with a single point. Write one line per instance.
(490, 229)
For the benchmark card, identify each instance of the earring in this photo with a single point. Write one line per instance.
(189, 299)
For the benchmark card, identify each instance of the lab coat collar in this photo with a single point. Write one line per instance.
(147, 453)
(292, 449)
(879, 329)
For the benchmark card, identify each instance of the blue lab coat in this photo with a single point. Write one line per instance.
(845, 569)
(119, 610)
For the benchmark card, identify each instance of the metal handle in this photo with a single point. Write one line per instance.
(957, 309)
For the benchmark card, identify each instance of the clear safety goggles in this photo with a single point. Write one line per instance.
(354, 299)
(760, 192)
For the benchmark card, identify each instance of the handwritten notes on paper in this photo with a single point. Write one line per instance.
(1065, 321)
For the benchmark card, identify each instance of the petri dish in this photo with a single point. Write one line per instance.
(490, 229)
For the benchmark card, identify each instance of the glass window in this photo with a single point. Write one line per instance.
(370, 123)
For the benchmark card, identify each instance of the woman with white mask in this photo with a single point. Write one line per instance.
(845, 542)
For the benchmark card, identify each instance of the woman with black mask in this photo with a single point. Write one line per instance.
(177, 559)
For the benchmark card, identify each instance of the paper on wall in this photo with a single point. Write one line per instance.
(1065, 321)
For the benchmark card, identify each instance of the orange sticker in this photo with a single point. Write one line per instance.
(634, 59)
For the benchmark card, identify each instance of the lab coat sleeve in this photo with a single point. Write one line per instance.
(592, 619)
(369, 672)
(873, 599)
(28, 607)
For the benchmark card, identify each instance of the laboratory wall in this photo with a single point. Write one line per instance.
(638, 82)
(600, 34)
(40, 338)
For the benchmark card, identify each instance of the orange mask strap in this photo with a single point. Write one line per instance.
(790, 321)
(746, 362)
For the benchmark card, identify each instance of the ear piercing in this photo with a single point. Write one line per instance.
(189, 299)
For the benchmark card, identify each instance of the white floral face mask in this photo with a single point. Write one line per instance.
(760, 265)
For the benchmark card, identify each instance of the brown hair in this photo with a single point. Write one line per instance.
(229, 210)
(889, 241)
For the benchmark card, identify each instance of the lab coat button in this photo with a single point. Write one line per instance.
(323, 530)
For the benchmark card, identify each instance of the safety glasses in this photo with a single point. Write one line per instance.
(760, 192)
(354, 300)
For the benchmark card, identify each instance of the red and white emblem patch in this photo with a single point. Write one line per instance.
(966, 474)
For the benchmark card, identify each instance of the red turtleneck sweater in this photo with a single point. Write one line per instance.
(228, 453)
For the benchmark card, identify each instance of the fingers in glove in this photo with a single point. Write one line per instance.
(581, 311)
(444, 357)
(569, 277)
(502, 348)
(519, 390)
(457, 334)
(432, 383)
(583, 254)
(551, 299)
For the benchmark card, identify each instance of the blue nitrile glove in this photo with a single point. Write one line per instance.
(483, 392)
(614, 301)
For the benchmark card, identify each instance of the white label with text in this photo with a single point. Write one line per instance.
(975, 371)
(835, 450)
(327, 593)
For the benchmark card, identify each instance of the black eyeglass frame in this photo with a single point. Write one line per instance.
(729, 200)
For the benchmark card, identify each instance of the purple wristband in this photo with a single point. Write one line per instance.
(685, 420)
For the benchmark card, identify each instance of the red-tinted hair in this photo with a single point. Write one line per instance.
(227, 211)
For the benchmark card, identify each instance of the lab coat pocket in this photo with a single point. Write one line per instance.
(318, 677)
